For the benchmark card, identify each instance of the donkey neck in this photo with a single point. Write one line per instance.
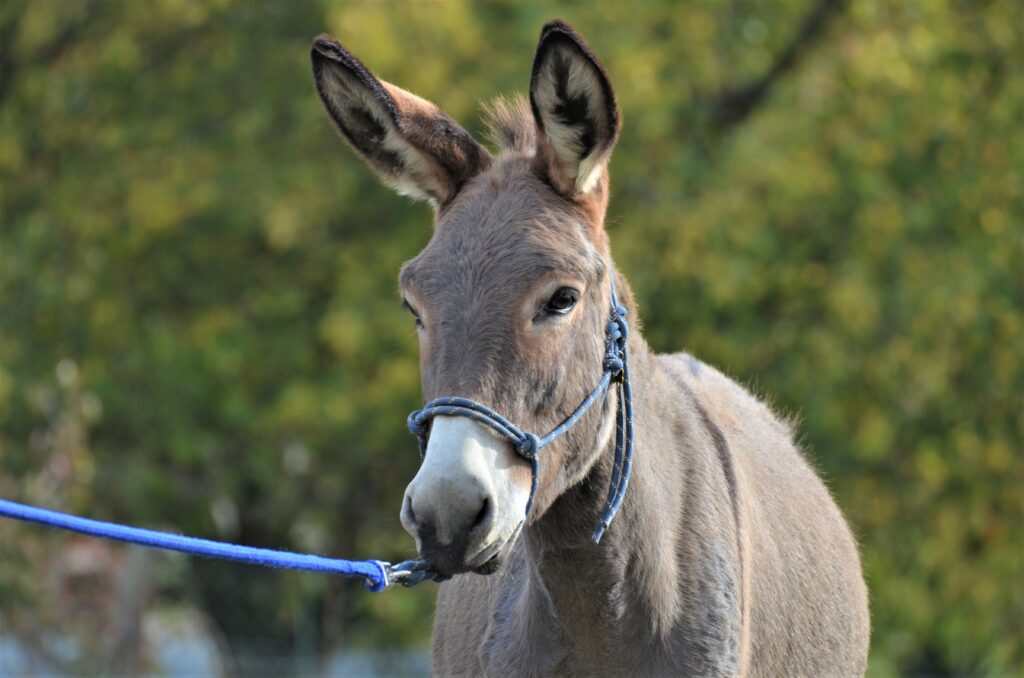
(626, 577)
(631, 587)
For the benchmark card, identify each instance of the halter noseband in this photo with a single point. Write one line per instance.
(528, 445)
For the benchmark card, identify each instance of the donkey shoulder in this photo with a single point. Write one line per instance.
(802, 560)
(760, 442)
(733, 408)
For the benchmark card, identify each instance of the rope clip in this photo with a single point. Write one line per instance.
(409, 573)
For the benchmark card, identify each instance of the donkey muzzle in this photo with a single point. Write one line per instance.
(468, 499)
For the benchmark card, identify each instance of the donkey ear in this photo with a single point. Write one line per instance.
(409, 142)
(574, 106)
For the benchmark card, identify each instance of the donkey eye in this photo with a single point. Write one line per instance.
(408, 307)
(562, 301)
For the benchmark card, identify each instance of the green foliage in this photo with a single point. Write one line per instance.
(199, 321)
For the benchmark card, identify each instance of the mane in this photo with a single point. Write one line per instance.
(510, 124)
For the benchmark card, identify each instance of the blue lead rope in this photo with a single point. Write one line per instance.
(379, 575)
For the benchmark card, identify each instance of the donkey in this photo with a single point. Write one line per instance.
(728, 557)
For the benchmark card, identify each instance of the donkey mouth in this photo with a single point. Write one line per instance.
(491, 566)
(449, 560)
(490, 559)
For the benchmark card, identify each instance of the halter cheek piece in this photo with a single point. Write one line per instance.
(528, 445)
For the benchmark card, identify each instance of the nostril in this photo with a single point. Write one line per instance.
(483, 514)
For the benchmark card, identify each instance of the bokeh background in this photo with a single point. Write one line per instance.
(199, 326)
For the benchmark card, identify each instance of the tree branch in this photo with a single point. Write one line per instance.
(734, 104)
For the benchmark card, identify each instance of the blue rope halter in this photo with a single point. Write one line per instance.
(528, 445)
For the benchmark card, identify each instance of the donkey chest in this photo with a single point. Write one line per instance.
(598, 629)
(533, 631)
(524, 637)
(547, 645)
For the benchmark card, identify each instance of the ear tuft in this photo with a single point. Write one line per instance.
(574, 107)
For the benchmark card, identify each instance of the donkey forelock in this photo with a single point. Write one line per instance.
(510, 124)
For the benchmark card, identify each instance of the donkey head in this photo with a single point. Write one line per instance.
(511, 295)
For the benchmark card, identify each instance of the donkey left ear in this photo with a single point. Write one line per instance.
(574, 106)
(409, 142)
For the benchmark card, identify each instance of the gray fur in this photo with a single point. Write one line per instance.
(729, 556)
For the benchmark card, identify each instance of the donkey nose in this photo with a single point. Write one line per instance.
(450, 527)
(451, 505)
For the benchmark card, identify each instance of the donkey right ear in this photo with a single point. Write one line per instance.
(409, 142)
(574, 106)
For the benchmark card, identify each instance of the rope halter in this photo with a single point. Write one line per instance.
(528, 445)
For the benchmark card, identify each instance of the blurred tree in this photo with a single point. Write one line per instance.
(200, 278)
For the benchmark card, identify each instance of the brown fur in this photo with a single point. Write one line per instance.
(729, 556)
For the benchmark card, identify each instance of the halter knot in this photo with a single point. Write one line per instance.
(528, 447)
(417, 426)
(613, 364)
(617, 333)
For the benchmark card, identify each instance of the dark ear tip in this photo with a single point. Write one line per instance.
(558, 31)
(558, 27)
(326, 47)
